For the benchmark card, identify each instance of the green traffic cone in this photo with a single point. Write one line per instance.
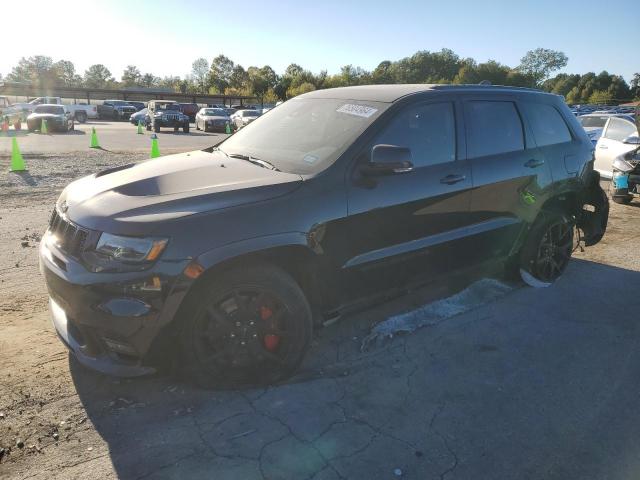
(155, 150)
(94, 138)
(43, 127)
(17, 162)
(140, 132)
(227, 128)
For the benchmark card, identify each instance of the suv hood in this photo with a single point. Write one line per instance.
(128, 199)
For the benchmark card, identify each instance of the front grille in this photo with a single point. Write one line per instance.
(70, 237)
(171, 117)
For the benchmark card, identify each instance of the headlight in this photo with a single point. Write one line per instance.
(130, 249)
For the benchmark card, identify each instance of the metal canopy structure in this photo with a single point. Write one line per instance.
(81, 94)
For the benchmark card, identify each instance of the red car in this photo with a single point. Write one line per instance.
(190, 109)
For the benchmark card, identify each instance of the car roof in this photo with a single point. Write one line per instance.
(392, 93)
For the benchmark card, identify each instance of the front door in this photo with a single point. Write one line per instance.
(610, 145)
(403, 226)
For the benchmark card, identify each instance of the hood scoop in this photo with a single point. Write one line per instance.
(113, 170)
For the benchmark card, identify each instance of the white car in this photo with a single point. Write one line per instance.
(244, 117)
(214, 119)
(619, 136)
(81, 112)
(594, 123)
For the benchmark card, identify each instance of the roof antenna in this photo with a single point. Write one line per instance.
(485, 82)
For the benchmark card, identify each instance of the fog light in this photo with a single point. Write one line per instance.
(118, 346)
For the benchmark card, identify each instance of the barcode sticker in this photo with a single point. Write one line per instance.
(357, 110)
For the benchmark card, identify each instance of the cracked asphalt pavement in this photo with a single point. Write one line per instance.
(537, 383)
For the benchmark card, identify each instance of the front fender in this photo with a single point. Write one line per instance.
(234, 250)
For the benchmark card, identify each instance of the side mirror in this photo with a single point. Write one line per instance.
(632, 140)
(388, 159)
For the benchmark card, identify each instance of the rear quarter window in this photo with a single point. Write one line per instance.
(493, 127)
(549, 128)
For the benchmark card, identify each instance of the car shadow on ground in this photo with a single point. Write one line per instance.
(537, 381)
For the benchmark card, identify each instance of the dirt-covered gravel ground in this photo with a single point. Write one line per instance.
(56, 419)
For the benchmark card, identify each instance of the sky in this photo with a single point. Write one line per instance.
(164, 37)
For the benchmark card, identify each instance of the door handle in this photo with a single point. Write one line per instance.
(451, 179)
(603, 147)
(533, 163)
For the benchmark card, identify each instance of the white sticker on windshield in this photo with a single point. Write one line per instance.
(358, 110)
(310, 158)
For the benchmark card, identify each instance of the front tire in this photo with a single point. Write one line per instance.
(547, 250)
(247, 326)
(185, 129)
(156, 128)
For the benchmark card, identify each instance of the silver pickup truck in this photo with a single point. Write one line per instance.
(81, 112)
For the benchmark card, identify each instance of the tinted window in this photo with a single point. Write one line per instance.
(493, 128)
(547, 124)
(619, 129)
(428, 130)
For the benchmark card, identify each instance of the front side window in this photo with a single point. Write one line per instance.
(493, 127)
(620, 129)
(547, 124)
(428, 130)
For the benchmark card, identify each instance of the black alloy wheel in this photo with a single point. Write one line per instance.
(548, 249)
(252, 329)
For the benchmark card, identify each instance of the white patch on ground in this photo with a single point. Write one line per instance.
(531, 280)
(477, 294)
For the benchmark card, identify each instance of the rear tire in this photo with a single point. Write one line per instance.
(17, 125)
(249, 326)
(156, 128)
(623, 200)
(547, 250)
(81, 117)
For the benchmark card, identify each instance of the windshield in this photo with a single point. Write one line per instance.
(596, 122)
(250, 113)
(304, 136)
(214, 112)
(168, 106)
(55, 109)
(120, 103)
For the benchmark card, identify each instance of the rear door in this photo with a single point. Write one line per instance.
(509, 174)
(405, 226)
(610, 145)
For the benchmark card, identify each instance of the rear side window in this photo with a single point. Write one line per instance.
(492, 128)
(619, 129)
(428, 130)
(549, 128)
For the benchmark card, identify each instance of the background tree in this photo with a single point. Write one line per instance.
(65, 72)
(200, 73)
(149, 80)
(220, 73)
(98, 76)
(131, 76)
(540, 63)
(635, 85)
(37, 70)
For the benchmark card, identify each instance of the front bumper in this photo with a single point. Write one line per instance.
(170, 122)
(110, 321)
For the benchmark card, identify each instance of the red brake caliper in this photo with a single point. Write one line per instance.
(270, 341)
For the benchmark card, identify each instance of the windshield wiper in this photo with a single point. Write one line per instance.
(254, 160)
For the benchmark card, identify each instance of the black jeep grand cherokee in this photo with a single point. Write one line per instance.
(228, 256)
